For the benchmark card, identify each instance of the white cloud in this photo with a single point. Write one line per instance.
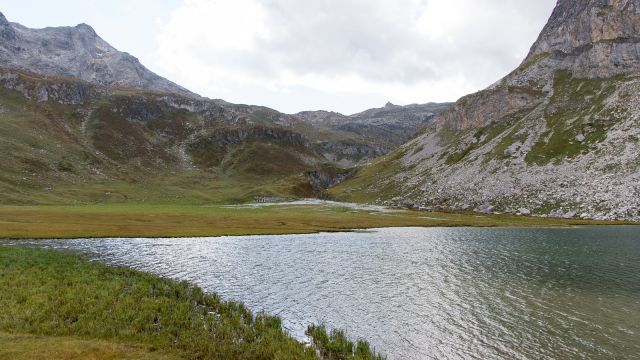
(345, 55)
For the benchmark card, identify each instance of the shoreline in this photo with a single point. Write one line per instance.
(149, 316)
(184, 221)
(18, 241)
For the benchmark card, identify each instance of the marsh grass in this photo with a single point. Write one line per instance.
(56, 294)
(60, 305)
(335, 345)
(140, 220)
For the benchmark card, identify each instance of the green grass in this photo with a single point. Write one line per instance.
(139, 220)
(61, 295)
(189, 187)
(490, 132)
(458, 156)
(527, 63)
(126, 145)
(335, 345)
(59, 305)
(507, 141)
(38, 347)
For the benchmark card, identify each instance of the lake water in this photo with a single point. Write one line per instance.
(419, 293)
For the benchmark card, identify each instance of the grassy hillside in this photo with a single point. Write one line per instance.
(130, 145)
(558, 136)
(365, 185)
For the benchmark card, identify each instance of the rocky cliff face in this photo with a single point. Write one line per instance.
(556, 137)
(593, 38)
(76, 52)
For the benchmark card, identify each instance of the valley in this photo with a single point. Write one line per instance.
(141, 220)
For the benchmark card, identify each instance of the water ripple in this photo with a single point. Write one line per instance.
(423, 293)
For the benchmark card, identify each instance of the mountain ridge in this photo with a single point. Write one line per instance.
(79, 52)
(390, 126)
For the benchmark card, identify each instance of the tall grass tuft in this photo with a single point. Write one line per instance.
(335, 345)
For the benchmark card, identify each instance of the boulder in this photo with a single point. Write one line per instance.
(485, 209)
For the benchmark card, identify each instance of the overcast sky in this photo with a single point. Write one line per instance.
(294, 55)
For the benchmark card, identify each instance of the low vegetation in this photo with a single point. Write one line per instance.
(335, 345)
(137, 220)
(577, 108)
(39, 347)
(59, 305)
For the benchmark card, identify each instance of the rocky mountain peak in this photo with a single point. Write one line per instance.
(6, 31)
(3, 19)
(78, 52)
(86, 29)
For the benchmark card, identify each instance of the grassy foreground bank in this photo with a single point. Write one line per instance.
(57, 305)
(139, 220)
